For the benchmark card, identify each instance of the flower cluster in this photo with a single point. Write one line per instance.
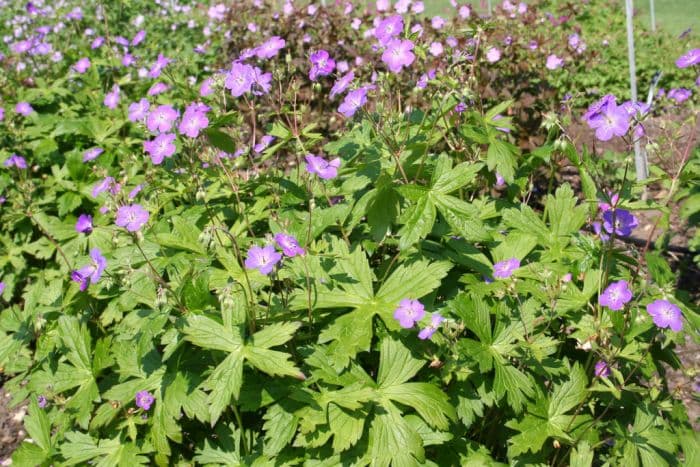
(410, 312)
(265, 258)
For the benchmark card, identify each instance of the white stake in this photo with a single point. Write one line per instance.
(653, 15)
(640, 161)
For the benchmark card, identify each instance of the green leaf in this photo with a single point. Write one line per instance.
(274, 334)
(581, 455)
(568, 395)
(221, 140)
(279, 428)
(564, 216)
(208, 334)
(462, 217)
(215, 455)
(429, 401)
(225, 382)
(419, 220)
(38, 427)
(458, 177)
(272, 362)
(414, 280)
(501, 157)
(396, 364)
(77, 339)
(347, 427)
(393, 441)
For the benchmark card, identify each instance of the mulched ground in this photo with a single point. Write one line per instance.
(11, 430)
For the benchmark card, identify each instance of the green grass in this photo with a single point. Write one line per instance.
(674, 16)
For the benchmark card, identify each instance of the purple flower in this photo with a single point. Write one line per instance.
(616, 295)
(137, 189)
(160, 147)
(679, 94)
(692, 57)
(437, 22)
(92, 272)
(239, 79)
(409, 312)
(132, 217)
(270, 47)
(609, 120)
(602, 370)
(388, 28)
(112, 98)
(92, 154)
(138, 38)
(193, 121)
(341, 84)
(84, 224)
(138, 110)
(102, 186)
(319, 166)
(16, 161)
(157, 88)
(161, 119)
(2, 287)
(504, 269)
(23, 108)
(264, 143)
(97, 42)
(398, 54)
(621, 221)
(161, 62)
(263, 259)
(321, 64)
(493, 55)
(353, 101)
(289, 244)
(262, 82)
(41, 401)
(82, 65)
(554, 62)
(144, 400)
(428, 331)
(666, 315)
(206, 88)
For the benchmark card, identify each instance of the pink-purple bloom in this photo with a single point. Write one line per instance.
(139, 110)
(621, 221)
(23, 108)
(270, 47)
(84, 224)
(666, 315)
(16, 161)
(161, 62)
(321, 167)
(161, 119)
(289, 244)
(82, 65)
(262, 258)
(398, 54)
(92, 154)
(157, 88)
(607, 118)
(616, 295)
(193, 120)
(504, 269)
(428, 331)
(91, 273)
(353, 101)
(554, 62)
(112, 98)
(602, 370)
(409, 312)
(341, 84)
(144, 400)
(160, 147)
(239, 79)
(321, 64)
(132, 217)
(493, 55)
(388, 28)
(692, 57)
